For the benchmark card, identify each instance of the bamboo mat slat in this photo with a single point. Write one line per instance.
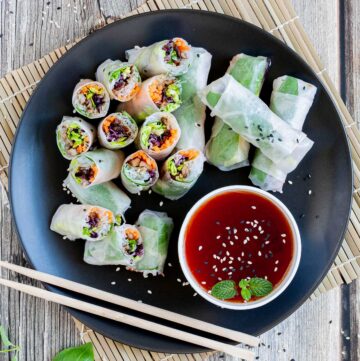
(279, 18)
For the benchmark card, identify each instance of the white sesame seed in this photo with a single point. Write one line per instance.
(232, 258)
(200, 248)
(275, 269)
(249, 262)
(247, 222)
(236, 237)
(267, 242)
(179, 280)
(242, 254)
(117, 269)
(227, 228)
(231, 243)
(261, 232)
(235, 230)
(195, 294)
(284, 241)
(290, 182)
(230, 273)
(129, 279)
(169, 264)
(283, 235)
(113, 283)
(161, 203)
(185, 284)
(219, 279)
(149, 292)
(265, 277)
(245, 241)
(224, 244)
(277, 261)
(310, 192)
(259, 253)
(150, 191)
(227, 253)
(253, 207)
(230, 262)
(255, 237)
(246, 229)
(214, 256)
(239, 259)
(214, 266)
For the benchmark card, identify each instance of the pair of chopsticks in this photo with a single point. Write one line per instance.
(134, 305)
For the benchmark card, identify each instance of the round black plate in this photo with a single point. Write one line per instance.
(37, 171)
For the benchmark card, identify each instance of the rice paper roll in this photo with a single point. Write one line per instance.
(179, 173)
(291, 100)
(91, 99)
(159, 93)
(164, 57)
(83, 221)
(74, 136)
(106, 195)
(155, 229)
(191, 115)
(250, 117)
(159, 134)
(121, 79)
(117, 130)
(96, 167)
(124, 246)
(227, 149)
(139, 172)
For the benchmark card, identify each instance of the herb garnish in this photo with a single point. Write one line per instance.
(82, 353)
(9, 346)
(224, 290)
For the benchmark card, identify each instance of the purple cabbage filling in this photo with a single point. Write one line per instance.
(158, 140)
(98, 100)
(117, 131)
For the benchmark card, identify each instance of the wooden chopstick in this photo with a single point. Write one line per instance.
(134, 305)
(130, 320)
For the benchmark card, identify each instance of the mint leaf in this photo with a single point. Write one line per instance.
(244, 283)
(9, 346)
(4, 337)
(260, 287)
(245, 294)
(224, 290)
(82, 353)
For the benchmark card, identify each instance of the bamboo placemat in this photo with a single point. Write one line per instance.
(278, 17)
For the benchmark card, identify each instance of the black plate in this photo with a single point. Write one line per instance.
(37, 170)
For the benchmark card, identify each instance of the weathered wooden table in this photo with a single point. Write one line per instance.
(326, 329)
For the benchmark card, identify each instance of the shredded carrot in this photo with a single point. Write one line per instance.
(144, 157)
(189, 153)
(181, 44)
(132, 233)
(168, 141)
(107, 122)
(86, 88)
(156, 90)
(95, 170)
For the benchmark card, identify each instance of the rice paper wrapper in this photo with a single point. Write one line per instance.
(155, 228)
(64, 143)
(250, 117)
(98, 113)
(106, 195)
(174, 189)
(108, 74)
(107, 162)
(70, 220)
(150, 60)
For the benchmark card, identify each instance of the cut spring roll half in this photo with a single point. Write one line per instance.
(117, 130)
(106, 195)
(191, 115)
(124, 246)
(96, 167)
(82, 221)
(155, 229)
(74, 136)
(291, 100)
(159, 134)
(91, 99)
(250, 117)
(122, 80)
(165, 57)
(227, 149)
(139, 172)
(179, 173)
(159, 93)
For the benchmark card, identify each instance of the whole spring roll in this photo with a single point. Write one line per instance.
(74, 136)
(106, 195)
(117, 130)
(155, 229)
(82, 221)
(291, 100)
(250, 117)
(124, 246)
(96, 167)
(191, 115)
(139, 172)
(159, 93)
(91, 99)
(179, 173)
(159, 134)
(122, 80)
(227, 149)
(165, 57)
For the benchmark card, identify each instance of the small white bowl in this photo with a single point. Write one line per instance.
(280, 288)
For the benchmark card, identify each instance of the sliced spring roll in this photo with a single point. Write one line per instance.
(250, 117)
(291, 100)
(155, 228)
(191, 115)
(159, 93)
(82, 221)
(139, 172)
(159, 134)
(91, 99)
(165, 57)
(117, 130)
(124, 246)
(227, 149)
(122, 80)
(106, 195)
(96, 167)
(179, 173)
(74, 136)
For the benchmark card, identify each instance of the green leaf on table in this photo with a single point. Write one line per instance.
(224, 290)
(245, 294)
(9, 346)
(82, 353)
(4, 339)
(260, 287)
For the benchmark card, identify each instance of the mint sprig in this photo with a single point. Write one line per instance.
(256, 286)
(9, 347)
(224, 290)
(82, 353)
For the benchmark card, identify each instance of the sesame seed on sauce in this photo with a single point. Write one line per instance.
(179, 280)
(149, 292)
(113, 283)
(129, 279)
(200, 248)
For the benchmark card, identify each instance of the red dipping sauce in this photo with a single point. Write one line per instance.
(238, 234)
